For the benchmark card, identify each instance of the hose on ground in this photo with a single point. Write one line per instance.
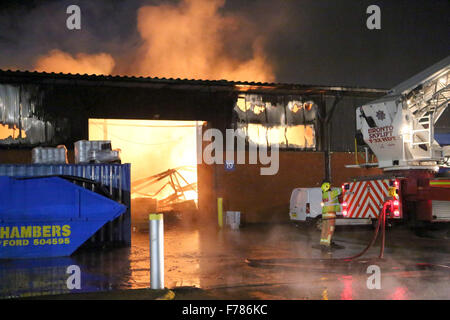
(381, 224)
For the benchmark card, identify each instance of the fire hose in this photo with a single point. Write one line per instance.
(381, 224)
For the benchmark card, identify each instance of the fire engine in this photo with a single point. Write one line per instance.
(399, 130)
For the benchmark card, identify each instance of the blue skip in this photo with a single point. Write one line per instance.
(49, 217)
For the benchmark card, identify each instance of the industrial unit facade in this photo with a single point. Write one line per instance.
(314, 127)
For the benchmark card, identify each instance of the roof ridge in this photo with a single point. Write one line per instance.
(199, 81)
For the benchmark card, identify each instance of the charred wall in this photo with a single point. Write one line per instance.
(82, 103)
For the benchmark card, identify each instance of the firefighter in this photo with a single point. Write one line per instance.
(330, 205)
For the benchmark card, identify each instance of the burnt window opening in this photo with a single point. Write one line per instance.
(286, 121)
(22, 120)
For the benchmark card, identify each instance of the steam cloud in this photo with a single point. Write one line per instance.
(192, 39)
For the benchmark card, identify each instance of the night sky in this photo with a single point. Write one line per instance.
(307, 41)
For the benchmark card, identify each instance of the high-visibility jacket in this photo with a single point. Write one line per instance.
(330, 200)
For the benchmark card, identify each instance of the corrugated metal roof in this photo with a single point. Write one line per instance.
(155, 82)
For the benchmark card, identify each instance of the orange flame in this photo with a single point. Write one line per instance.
(187, 40)
(10, 132)
(152, 146)
(58, 61)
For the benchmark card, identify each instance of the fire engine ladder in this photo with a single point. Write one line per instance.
(427, 112)
(424, 125)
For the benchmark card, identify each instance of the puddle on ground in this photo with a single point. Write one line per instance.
(288, 267)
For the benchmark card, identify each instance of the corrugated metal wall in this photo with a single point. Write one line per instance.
(343, 123)
(113, 178)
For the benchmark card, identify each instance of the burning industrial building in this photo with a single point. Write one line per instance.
(156, 123)
(183, 119)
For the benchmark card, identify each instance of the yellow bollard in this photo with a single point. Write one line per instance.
(220, 211)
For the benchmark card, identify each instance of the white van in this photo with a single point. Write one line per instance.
(305, 206)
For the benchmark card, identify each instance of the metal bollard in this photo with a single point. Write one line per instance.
(220, 211)
(156, 251)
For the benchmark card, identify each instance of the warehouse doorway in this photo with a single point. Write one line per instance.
(163, 157)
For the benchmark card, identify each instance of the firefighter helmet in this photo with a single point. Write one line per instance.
(393, 192)
(325, 186)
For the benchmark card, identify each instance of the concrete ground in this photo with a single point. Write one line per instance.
(256, 262)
